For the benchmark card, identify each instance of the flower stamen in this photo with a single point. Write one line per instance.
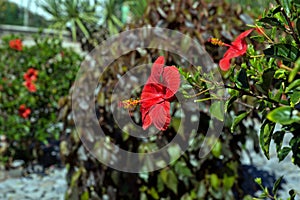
(216, 41)
(129, 103)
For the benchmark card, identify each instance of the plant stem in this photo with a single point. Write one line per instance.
(287, 68)
(252, 95)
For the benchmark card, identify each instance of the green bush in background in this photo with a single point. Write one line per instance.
(57, 67)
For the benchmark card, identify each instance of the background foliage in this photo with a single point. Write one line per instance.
(57, 68)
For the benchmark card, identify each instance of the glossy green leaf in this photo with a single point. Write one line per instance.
(266, 132)
(294, 84)
(283, 153)
(295, 98)
(286, 6)
(283, 115)
(238, 119)
(286, 52)
(272, 21)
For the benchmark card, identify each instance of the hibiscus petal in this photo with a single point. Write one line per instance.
(225, 64)
(157, 70)
(239, 42)
(152, 94)
(146, 121)
(171, 80)
(160, 115)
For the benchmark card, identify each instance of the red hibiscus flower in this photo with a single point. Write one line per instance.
(237, 48)
(31, 75)
(30, 86)
(16, 44)
(24, 112)
(157, 94)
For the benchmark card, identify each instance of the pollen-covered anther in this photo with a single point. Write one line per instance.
(129, 103)
(216, 41)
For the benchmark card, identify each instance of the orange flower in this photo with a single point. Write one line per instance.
(16, 44)
(24, 112)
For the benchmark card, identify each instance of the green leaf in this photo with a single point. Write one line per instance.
(160, 184)
(283, 153)
(272, 21)
(293, 85)
(172, 181)
(238, 119)
(280, 74)
(214, 181)
(278, 139)
(266, 132)
(217, 110)
(295, 70)
(286, 5)
(181, 169)
(169, 179)
(228, 181)
(276, 185)
(85, 196)
(283, 115)
(286, 52)
(153, 193)
(295, 98)
(217, 149)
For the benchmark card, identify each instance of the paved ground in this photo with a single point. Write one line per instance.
(49, 186)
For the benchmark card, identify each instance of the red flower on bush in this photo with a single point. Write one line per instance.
(31, 75)
(16, 44)
(24, 112)
(30, 86)
(157, 94)
(237, 48)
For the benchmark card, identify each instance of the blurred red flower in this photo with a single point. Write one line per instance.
(31, 75)
(237, 48)
(23, 111)
(16, 44)
(157, 94)
(30, 86)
